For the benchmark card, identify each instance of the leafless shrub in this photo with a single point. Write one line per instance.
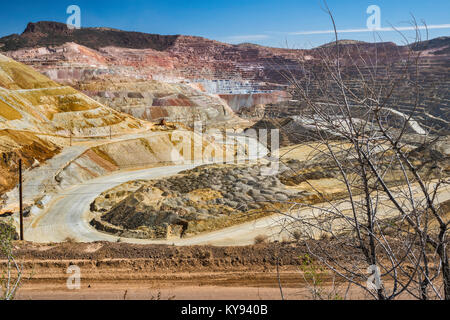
(390, 167)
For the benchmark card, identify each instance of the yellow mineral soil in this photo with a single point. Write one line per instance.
(38, 116)
(30, 101)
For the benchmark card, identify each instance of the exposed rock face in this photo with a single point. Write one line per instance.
(37, 116)
(27, 146)
(237, 102)
(77, 57)
(125, 87)
(169, 57)
(243, 74)
(46, 28)
(31, 101)
(165, 148)
(153, 100)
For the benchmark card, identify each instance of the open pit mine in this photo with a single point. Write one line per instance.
(159, 149)
(113, 111)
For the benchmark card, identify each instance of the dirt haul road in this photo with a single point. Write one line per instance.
(67, 215)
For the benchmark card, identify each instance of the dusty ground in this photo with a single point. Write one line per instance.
(121, 271)
(126, 271)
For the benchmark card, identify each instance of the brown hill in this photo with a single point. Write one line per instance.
(47, 33)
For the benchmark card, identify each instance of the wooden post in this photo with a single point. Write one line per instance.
(71, 129)
(20, 199)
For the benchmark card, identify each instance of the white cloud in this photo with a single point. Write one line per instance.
(436, 26)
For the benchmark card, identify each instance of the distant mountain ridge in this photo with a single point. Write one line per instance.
(65, 54)
(50, 33)
(442, 43)
(343, 42)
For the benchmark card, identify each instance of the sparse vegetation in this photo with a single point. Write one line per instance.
(262, 238)
(11, 274)
(387, 166)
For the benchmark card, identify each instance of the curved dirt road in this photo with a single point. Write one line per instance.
(67, 215)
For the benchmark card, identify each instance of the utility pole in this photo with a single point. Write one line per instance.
(70, 132)
(20, 199)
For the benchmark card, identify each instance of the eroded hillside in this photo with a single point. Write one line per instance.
(98, 61)
(154, 100)
(38, 117)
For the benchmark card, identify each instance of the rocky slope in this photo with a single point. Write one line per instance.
(150, 150)
(79, 57)
(244, 75)
(155, 100)
(48, 33)
(33, 102)
(181, 78)
(187, 56)
(37, 116)
(125, 81)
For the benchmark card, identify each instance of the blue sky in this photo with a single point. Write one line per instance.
(273, 23)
